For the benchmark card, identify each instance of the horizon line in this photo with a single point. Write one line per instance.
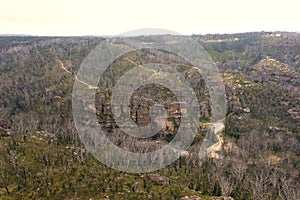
(112, 35)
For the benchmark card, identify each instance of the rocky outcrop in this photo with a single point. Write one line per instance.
(159, 180)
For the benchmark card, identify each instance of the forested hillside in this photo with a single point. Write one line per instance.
(258, 157)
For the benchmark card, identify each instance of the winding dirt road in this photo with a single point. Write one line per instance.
(91, 87)
(218, 127)
(137, 64)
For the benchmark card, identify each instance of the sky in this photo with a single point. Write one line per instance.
(112, 17)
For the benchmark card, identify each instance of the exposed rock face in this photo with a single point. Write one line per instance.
(277, 72)
(294, 112)
(39, 174)
(247, 110)
(160, 180)
(139, 114)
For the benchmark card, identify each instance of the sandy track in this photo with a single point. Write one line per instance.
(76, 78)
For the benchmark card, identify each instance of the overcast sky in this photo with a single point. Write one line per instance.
(111, 17)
